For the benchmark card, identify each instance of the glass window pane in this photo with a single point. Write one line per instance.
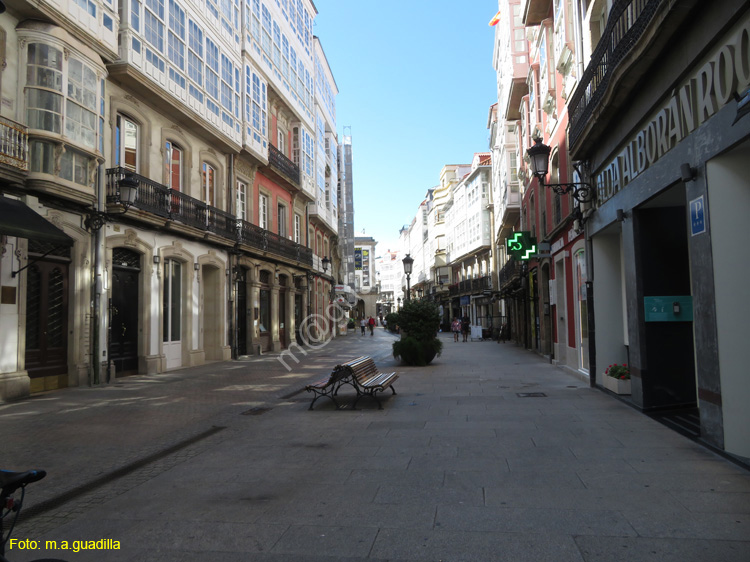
(165, 303)
(42, 157)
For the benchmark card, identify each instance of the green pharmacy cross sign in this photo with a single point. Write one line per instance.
(521, 245)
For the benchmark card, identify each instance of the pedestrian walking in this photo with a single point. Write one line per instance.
(362, 325)
(465, 328)
(455, 328)
(371, 324)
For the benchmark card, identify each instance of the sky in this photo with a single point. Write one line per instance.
(415, 83)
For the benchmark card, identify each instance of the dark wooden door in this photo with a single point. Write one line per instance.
(282, 319)
(47, 323)
(123, 322)
(242, 317)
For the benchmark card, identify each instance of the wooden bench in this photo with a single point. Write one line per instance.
(328, 386)
(363, 375)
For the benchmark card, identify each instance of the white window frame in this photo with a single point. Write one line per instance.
(297, 228)
(120, 142)
(281, 220)
(263, 211)
(241, 200)
(208, 192)
(169, 149)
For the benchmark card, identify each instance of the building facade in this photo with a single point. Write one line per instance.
(665, 157)
(366, 286)
(212, 112)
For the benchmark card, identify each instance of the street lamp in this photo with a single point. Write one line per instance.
(399, 303)
(408, 263)
(326, 262)
(539, 162)
(128, 192)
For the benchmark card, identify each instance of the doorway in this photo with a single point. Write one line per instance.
(46, 353)
(172, 314)
(242, 314)
(213, 328)
(124, 307)
(664, 266)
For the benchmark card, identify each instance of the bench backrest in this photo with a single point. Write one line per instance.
(361, 368)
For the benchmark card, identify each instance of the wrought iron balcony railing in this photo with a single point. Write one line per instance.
(261, 239)
(628, 20)
(283, 164)
(471, 286)
(174, 205)
(510, 272)
(14, 144)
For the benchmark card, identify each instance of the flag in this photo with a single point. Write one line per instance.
(494, 20)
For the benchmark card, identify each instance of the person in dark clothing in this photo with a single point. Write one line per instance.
(465, 328)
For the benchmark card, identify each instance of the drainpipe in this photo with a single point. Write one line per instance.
(99, 324)
(233, 333)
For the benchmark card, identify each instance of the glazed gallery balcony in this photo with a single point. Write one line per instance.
(160, 201)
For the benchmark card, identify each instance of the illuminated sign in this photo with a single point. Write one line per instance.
(521, 245)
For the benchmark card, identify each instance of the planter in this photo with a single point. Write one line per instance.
(618, 386)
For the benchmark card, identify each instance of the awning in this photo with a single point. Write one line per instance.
(16, 219)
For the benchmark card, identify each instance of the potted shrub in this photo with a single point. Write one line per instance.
(391, 322)
(617, 379)
(419, 322)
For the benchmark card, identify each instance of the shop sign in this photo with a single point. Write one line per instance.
(726, 73)
(668, 309)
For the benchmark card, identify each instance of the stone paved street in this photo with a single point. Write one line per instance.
(490, 453)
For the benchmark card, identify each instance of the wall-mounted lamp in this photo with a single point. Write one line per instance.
(326, 262)
(196, 266)
(687, 172)
(127, 194)
(157, 260)
(539, 162)
(620, 215)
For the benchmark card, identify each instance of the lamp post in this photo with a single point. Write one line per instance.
(408, 263)
(539, 162)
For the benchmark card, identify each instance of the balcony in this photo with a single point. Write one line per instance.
(508, 207)
(534, 11)
(629, 21)
(471, 286)
(509, 277)
(283, 166)
(14, 149)
(156, 200)
(260, 239)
